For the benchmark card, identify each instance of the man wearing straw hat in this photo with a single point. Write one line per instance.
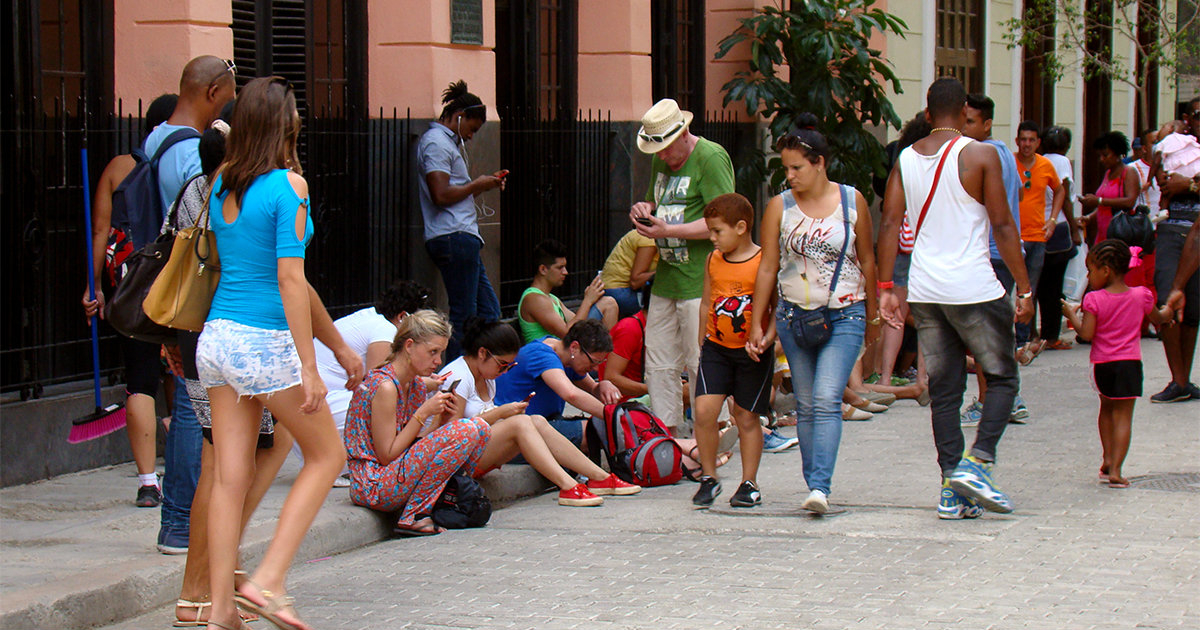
(686, 173)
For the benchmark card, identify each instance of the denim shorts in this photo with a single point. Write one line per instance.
(900, 269)
(251, 360)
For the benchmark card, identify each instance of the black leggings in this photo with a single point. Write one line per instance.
(1050, 292)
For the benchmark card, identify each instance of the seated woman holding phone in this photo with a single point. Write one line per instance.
(489, 350)
(403, 444)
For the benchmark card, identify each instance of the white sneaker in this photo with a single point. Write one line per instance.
(816, 502)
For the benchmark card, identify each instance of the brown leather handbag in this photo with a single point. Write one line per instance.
(183, 292)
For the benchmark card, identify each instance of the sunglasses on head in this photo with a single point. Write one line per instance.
(660, 137)
(230, 67)
(1028, 183)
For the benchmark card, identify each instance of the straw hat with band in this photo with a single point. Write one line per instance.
(661, 125)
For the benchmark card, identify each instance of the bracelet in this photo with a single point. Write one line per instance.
(1025, 296)
(884, 285)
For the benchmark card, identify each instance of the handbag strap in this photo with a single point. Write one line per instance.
(179, 199)
(837, 271)
(937, 176)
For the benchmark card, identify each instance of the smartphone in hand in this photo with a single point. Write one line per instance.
(453, 386)
(529, 397)
(645, 221)
(503, 173)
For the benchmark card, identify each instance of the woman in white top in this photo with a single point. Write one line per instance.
(489, 350)
(817, 252)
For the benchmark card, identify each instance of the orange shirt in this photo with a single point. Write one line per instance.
(1034, 182)
(731, 289)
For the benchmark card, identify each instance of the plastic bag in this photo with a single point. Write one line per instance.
(1075, 280)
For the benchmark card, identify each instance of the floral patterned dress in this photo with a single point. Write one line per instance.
(416, 479)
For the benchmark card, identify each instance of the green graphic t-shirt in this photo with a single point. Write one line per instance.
(680, 197)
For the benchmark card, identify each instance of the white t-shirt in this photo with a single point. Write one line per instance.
(476, 405)
(1150, 195)
(950, 261)
(359, 329)
(1062, 167)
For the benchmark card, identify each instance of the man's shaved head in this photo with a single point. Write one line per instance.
(202, 72)
(205, 86)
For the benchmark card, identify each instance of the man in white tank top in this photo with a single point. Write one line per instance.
(957, 301)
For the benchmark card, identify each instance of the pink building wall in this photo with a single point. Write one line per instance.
(175, 31)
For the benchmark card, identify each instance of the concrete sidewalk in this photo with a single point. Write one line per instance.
(78, 554)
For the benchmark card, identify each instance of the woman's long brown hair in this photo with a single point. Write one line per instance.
(265, 128)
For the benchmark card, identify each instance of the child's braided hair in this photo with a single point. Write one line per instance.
(1113, 254)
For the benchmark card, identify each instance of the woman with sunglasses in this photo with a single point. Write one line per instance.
(403, 442)
(489, 350)
(256, 350)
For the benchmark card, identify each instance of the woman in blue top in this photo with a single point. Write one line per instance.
(257, 349)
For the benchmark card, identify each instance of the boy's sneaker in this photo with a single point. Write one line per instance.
(171, 542)
(973, 480)
(578, 496)
(817, 502)
(953, 505)
(709, 490)
(1173, 393)
(773, 442)
(148, 496)
(972, 414)
(747, 495)
(1020, 413)
(612, 485)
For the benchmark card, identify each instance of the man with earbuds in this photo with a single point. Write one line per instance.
(447, 195)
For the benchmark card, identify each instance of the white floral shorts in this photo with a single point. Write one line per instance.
(251, 360)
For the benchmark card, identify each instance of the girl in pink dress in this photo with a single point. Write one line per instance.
(403, 444)
(1112, 319)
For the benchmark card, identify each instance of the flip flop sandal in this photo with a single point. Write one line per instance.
(269, 611)
(1118, 484)
(414, 533)
(727, 439)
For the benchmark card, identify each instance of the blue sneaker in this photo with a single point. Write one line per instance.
(171, 542)
(1020, 413)
(773, 442)
(972, 414)
(973, 480)
(953, 505)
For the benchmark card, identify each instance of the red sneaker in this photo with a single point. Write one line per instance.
(578, 496)
(612, 485)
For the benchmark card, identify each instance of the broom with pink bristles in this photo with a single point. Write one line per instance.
(103, 420)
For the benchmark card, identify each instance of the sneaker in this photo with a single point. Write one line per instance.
(973, 480)
(817, 502)
(972, 414)
(1173, 393)
(709, 490)
(1020, 413)
(342, 481)
(773, 442)
(578, 496)
(172, 543)
(747, 495)
(1193, 391)
(953, 505)
(612, 485)
(148, 497)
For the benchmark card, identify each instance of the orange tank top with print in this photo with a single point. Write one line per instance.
(731, 289)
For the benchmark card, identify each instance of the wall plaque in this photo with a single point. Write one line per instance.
(466, 22)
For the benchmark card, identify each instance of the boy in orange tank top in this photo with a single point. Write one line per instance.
(726, 367)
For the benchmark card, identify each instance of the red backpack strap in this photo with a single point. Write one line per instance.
(937, 175)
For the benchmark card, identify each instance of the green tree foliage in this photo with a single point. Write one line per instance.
(1095, 40)
(832, 72)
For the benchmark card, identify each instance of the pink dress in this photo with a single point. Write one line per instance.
(1118, 323)
(415, 480)
(1109, 188)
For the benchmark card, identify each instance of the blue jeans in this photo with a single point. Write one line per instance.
(946, 332)
(182, 456)
(627, 300)
(1035, 256)
(819, 376)
(467, 286)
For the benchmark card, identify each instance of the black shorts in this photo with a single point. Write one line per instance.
(730, 372)
(143, 366)
(1118, 380)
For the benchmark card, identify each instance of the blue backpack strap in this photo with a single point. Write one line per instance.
(837, 271)
(177, 136)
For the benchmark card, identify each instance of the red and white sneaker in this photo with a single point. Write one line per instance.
(578, 496)
(612, 485)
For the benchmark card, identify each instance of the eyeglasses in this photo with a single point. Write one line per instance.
(587, 354)
(503, 365)
(660, 137)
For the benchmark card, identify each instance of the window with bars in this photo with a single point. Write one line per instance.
(63, 52)
(315, 44)
(959, 47)
(677, 54)
(536, 49)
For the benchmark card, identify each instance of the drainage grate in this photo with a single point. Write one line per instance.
(1171, 482)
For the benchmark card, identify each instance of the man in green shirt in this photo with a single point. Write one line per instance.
(687, 172)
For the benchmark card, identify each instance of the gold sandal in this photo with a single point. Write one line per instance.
(275, 604)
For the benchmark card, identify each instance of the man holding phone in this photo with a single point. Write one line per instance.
(687, 172)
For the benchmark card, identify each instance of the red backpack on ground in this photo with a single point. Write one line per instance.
(638, 446)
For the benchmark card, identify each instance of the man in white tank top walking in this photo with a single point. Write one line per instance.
(948, 192)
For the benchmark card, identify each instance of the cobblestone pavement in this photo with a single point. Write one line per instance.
(1074, 555)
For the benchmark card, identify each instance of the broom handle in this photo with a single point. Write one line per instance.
(94, 323)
